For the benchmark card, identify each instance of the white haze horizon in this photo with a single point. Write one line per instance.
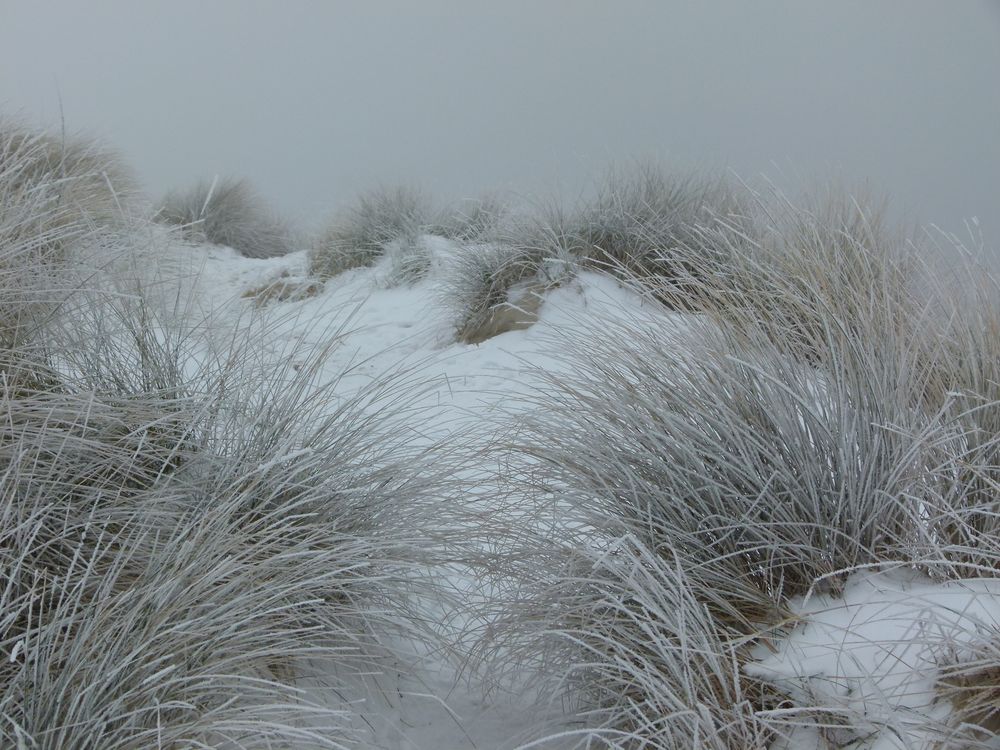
(315, 102)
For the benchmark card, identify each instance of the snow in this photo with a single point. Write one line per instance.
(870, 654)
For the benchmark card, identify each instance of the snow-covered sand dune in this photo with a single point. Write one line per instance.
(865, 661)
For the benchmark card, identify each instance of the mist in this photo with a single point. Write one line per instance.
(317, 101)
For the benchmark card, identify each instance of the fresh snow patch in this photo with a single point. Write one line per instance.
(869, 658)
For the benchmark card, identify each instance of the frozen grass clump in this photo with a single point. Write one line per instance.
(471, 221)
(32, 231)
(960, 359)
(186, 533)
(362, 235)
(824, 276)
(55, 194)
(410, 260)
(34, 217)
(545, 229)
(135, 612)
(648, 223)
(499, 285)
(643, 223)
(769, 471)
(73, 178)
(479, 281)
(747, 473)
(831, 411)
(622, 643)
(228, 212)
(192, 646)
(495, 288)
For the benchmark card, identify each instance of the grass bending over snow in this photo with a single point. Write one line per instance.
(207, 543)
(187, 533)
(633, 654)
(497, 288)
(738, 467)
(187, 564)
(775, 471)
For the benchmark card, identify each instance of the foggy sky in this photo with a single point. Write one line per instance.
(316, 101)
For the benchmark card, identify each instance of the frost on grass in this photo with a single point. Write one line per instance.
(188, 533)
(360, 236)
(56, 194)
(227, 212)
(649, 223)
(496, 288)
(961, 358)
(471, 221)
(768, 525)
(757, 473)
(616, 635)
(69, 177)
(812, 275)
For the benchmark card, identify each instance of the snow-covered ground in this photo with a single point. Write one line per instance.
(870, 655)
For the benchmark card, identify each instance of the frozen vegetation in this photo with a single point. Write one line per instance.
(686, 466)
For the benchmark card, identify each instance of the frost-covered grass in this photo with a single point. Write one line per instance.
(823, 273)
(647, 222)
(55, 192)
(178, 557)
(496, 288)
(473, 220)
(620, 640)
(748, 500)
(820, 418)
(72, 175)
(497, 279)
(361, 235)
(737, 479)
(961, 357)
(227, 212)
(189, 530)
(492, 276)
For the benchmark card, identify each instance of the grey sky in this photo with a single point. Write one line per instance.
(315, 101)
